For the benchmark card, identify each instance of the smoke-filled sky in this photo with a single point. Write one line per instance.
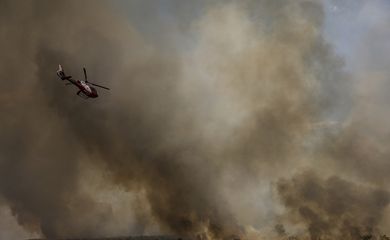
(261, 119)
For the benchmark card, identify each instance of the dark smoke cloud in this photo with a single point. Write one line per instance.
(184, 134)
(333, 208)
(40, 155)
(47, 134)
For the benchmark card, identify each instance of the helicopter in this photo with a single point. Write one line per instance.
(85, 88)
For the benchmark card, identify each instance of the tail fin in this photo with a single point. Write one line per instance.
(61, 74)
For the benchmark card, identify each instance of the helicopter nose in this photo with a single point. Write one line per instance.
(94, 93)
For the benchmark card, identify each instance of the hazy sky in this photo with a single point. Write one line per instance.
(350, 22)
(347, 22)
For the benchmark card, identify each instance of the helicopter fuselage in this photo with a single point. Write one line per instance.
(85, 88)
(89, 91)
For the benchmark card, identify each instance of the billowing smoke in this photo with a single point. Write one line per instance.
(192, 138)
(334, 208)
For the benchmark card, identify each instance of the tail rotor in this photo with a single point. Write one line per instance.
(61, 74)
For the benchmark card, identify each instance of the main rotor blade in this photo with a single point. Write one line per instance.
(85, 74)
(97, 85)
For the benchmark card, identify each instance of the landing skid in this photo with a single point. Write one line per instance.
(82, 95)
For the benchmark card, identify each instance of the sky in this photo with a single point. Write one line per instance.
(347, 22)
(262, 119)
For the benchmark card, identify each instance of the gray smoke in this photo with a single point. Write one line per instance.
(186, 132)
(334, 208)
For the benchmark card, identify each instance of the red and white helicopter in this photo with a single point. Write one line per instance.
(86, 89)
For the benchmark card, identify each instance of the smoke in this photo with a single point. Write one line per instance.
(190, 138)
(333, 208)
(41, 155)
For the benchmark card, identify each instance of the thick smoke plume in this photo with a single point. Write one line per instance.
(190, 138)
(334, 208)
